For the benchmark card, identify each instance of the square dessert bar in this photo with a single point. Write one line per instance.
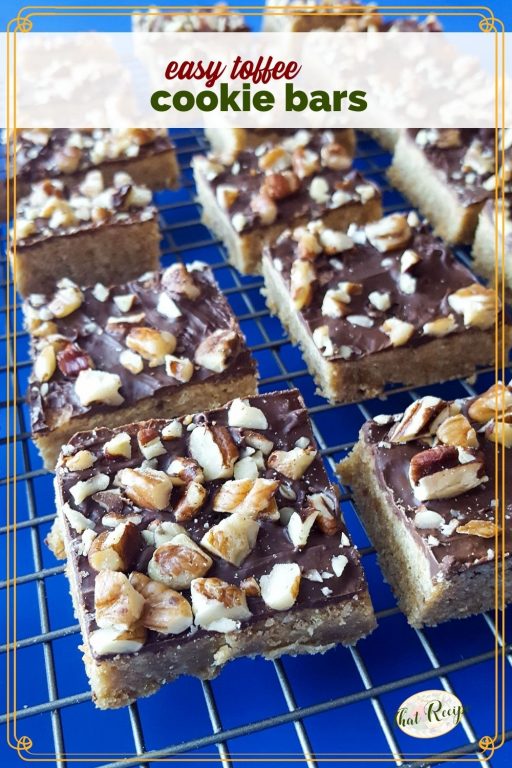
(108, 232)
(450, 174)
(251, 201)
(197, 540)
(424, 486)
(383, 303)
(163, 345)
(228, 142)
(147, 154)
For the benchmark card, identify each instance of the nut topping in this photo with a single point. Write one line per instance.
(292, 463)
(476, 304)
(325, 507)
(79, 461)
(148, 488)
(149, 442)
(441, 326)
(399, 331)
(117, 604)
(93, 386)
(217, 605)
(242, 414)
(151, 344)
(179, 368)
(119, 445)
(215, 351)
(486, 529)
(280, 185)
(85, 488)
(300, 527)
(389, 233)
(417, 419)
(336, 300)
(191, 501)
(280, 587)
(178, 279)
(214, 450)
(497, 399)
(245, 497)
(232, 539)
(457, 431)
(183, 471)
(45, 364)
(178, 562)
(302, 277)
(437, 474)
(71, 359)
(165, 610)
(106, 642)
(115, 550)
(501, 432)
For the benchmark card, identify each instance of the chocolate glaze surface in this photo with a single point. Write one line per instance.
(118, 214)
(449, 164)
(248, 178)
(437, 274)
(287, 422)
(455, 552)
(88, 327)
(36, 161)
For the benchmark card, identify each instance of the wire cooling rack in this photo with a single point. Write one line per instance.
(303, 710)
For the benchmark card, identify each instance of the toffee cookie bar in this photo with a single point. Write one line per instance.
(216, 19)
(449, 174)
(228, 142)
(147, 154)
(383, 303)
(111, 233)
(194, 541)
(251, 201)
(165, 344)
(424, 486)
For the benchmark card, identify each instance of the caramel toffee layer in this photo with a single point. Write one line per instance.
(280, 424)
(305, 175)
(54, 209)
(147, 337)
(380, 286)
(457, 532)
(43, 153)
(465, 159)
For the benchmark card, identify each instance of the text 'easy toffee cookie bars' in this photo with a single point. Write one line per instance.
(251, 201)
(147, 154)
(383, 303)
(109, 233)
(193, 541)
(424, 484)
(165, 344)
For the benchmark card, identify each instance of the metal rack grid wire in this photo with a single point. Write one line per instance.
(280, 366)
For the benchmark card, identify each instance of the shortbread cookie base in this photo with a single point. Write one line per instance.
(245, 249)
(228, 142)
(159, 171)
(484, 250)
(405, 567)
(119, 680)
(113, 253)
(413, 175)
(186, 399)
(345, 381)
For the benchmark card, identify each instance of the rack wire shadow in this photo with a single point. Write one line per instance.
(281, 365)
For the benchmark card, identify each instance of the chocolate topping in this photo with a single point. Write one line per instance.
(436, 275)
(448, 552)
(89, 327)
(43, 153)
(297, 176)
(288, 423)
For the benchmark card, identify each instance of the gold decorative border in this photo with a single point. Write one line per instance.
(488, 22)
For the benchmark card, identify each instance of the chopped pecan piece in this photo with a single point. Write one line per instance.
(148, 488)
(246, 497)
(496, 400)
(232, 539)
(115, 550)
(72, 359)
(292, 463)
(183, 470)
(217, 605)
(214, 450)
(215, 351)
(457, 431)
(178, 562)
(280, 185)
(418, 419)
(151, 344)
(302, 277)
(477, 305)
(165, 610)
(389, 233)
(437, 474)
(117, 604)
(280, 587)
(178, 279)
(191, 501)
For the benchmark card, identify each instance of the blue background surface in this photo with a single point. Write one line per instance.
(247, 691)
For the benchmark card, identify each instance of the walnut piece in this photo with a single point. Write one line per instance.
(242, 414)
(302, 277)
(178, 562)
(476, 304)
(214, 450)
(389, 233)
(280, 587)
(457, 431)
(232, 539)
(437, 474)
(94, 386)
(215, 351)
(165, 610)
(418, 419)
(190, 502)
(217, 605)
(115, 550)
(151, 344)
(292, 463)
(247, 497)
(148, 488)
(117, 604)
